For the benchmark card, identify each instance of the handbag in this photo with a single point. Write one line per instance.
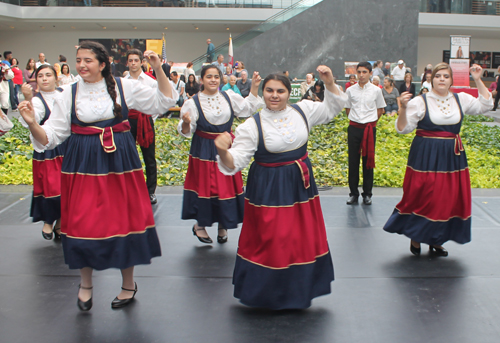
(5, 124)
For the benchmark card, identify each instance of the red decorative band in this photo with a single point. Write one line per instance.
(306, 178)
(210, 135)
(105, 134)
(367, 147)
(443, 134)
(145, 133)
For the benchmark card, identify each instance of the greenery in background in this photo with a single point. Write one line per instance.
(327, 151)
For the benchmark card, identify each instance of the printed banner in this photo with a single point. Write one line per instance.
(460, 67)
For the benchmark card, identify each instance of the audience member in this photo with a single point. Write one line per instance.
(229, 70)
(316, 92)
(244, 84)
(41, 60)
(18, 78)
(308, 83)
(188, 71)
(398, 73)
(179, 87)
(391, 95)
(231, 85)
(351, 82)
(192, 87)
(426, 81)
(376, 81)
(66, 78)
(29, 74)
(220, 63)
(238, 68)
(387, 69)
(377, 71)
(408, 85)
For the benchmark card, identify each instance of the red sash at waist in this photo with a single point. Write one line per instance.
(306, 177)
(210, 135)
(105, 134)
(443, 134)
(145, 133)
(367, 147)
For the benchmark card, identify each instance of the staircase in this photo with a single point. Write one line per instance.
(282, 16)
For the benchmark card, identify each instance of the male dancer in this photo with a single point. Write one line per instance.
(365, 104)
(142, 125)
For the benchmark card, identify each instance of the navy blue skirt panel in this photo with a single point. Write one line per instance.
(279, 289)
(435, 155)
(203, 148)
(44, 209)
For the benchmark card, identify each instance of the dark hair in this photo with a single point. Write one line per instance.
(194, 79)
(352, 75)
(12, 60)
(174, 73)
(190, 64)
(102, 56)
(45, 66)
(278, 77)
(204, 71)
(378, 62)
(391, 81)
(62, 68)
(28, 64)
(424, 78)
(62, 58)
(134, 52)
(321, 84)
(5, 53)
(366, 65)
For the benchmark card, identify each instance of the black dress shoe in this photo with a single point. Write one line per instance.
(152, 198)
(87, 305)
(414, 250)
(222, 239)
(119, 303)
(206, 240)
(352, 200)
(47, 236)
(57, 235)
(438, 251)
(367, 200)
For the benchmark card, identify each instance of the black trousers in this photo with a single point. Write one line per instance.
(148, 154)
(497, 97)
(354, 139)
(12, 97)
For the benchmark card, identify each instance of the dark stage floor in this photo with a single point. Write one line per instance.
(381, 293)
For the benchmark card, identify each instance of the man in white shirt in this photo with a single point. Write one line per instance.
(6, 74)
(179, 87)
(308, 83)
(398, 74)
(142, 125)
(41, 60)
(365, 104)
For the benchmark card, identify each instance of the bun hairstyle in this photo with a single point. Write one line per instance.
(103, 57)
(278, 77)
(204, 71)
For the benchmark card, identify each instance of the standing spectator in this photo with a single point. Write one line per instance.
(12, 95)
(66, 78)
(391, 95)
(244, 84)
(5, 74)
(377, 71)
(29, 74)
(427, 69)
(231, 85)
(41, 60)
(387, 69)
(408, 85)
(62, 59)
(189, 70)
(494, 92)
(220, 63)
(351, 82)
(308, 83)
(192, 86)
(287, 74)
(112, 65)
(426, 81)
(210, 51)
(18, 78)
(365, 104)
(398, 73)
(179, 87)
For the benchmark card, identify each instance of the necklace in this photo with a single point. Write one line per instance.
(444, 106)
(214, 104)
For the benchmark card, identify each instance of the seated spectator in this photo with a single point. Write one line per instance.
(244, 84)
(315, 93)
(391, 95)
(229, 70)
(376, 81)
(192, 87)
(225, 80)
(423, 90)
(231, 85)
(352, 81)
(308, 83)
(238, 68)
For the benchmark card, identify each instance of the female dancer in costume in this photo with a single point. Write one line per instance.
(283, 259)
(107, 219)
(436, 204)
(210, 196)
(46, 200)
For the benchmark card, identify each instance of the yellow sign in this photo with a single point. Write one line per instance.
(154, 45)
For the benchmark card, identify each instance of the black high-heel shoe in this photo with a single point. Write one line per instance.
(47, 236)
(438, 251)
(87, 305)
(221, 239)
(119, 303)
(414, 250)
(206, 240)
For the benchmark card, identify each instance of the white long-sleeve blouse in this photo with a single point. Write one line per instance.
(283, 130)
(443, 110)
(94, 104)
(216, 109)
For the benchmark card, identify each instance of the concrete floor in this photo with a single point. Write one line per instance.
(382, 293)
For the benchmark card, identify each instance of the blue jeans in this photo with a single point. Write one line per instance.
(87, 2)
(391, 108)
(16, 92)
